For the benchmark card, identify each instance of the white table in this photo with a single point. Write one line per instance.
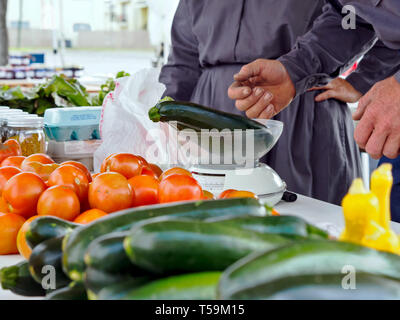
(324, 215)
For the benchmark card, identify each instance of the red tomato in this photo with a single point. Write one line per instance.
(111, 192)
(9, 148)
(241, 194)
(79, 166)
(59, 201)
(3, 206)
(42, 170)
(70, 176)
(6, 173)
(13, 161)
(90, 216)
(105, 162)
(95, 175)
(126, 164)
(143, 161)
(39, 157)
(225, 194)
(145, 189)
(146, 171)
(156, 169)
(22, 245)
(179, 188)
(22, 193)
(10, 224)
(151, 170)
(207, 195)
(173, 171)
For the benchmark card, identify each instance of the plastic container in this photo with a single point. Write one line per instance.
(81, 151)
(73, 124)
(29, 132)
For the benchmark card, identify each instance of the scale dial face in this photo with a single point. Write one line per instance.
(213, 183)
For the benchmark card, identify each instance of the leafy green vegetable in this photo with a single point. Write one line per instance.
(108, 87)
(58, 90)
(72, 91)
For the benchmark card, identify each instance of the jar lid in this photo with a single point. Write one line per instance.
(9, 116)
(26, 122)
(4, 117)
(15, 111)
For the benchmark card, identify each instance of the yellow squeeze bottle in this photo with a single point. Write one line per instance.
(381, 186)
(360, 207)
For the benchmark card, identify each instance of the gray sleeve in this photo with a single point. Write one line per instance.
(378, 64)
(326, 48)
(181, 73)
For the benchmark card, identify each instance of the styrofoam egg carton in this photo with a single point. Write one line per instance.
(73, 124)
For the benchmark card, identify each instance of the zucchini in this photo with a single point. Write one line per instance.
(198, 117)
(199, 286)
(77, 242)
(118, 290)
(107, 263)
(45, 228)
(74, 291)
(96, 280)
(116, 284)
(179, 246)
(324, 287)
(308, 257)
(107, 254)
(19, 280)
(48, 253)
(287, 225)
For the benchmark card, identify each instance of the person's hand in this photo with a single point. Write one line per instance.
(262, 89)
(378, 131)
(339, 89)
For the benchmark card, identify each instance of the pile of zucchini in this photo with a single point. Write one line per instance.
(219, 249)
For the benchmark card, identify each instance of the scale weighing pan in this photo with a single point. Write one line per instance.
(222, 160)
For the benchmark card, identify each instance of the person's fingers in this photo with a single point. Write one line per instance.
(329, 94)
(259, 95)
(318, 88)
(256, 80)
(259, 106)
(238, 91)
(363, 131)
(244, 104)
(375, 144)
(362, 106)
(248, 71)
(268, 112)
(392, 147)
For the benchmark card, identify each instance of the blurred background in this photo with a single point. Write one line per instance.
(88, 39)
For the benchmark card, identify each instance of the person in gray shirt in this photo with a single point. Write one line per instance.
(212, 40)
(323, 49)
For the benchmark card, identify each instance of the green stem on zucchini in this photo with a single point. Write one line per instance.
(8, 277)
(154, 114)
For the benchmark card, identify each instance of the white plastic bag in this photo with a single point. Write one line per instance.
(125, 125)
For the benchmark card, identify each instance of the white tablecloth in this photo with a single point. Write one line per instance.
(324, 215)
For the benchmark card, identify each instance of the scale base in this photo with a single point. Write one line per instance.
(261, 180)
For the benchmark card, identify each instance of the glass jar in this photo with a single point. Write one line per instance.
(29, 132)
(4, 115)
